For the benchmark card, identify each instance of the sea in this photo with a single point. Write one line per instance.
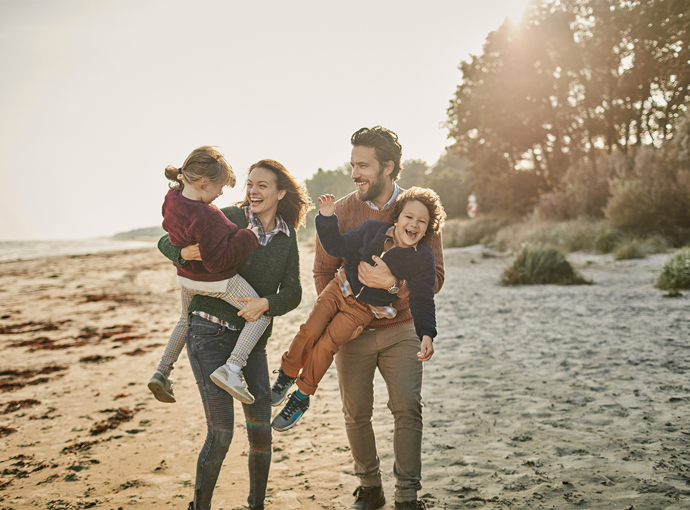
(25, 250)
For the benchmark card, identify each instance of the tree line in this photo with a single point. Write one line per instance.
(576, 84)
(574, 111)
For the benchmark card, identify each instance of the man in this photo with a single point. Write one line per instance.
(391, 345)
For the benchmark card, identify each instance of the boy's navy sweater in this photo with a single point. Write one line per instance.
(417, 266)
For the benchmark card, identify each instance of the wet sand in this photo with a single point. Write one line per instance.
(538, 397)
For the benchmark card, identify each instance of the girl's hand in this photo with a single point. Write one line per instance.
(191, 252)
(254, 309)
(255, 230)
(427, 349)
(327, 205)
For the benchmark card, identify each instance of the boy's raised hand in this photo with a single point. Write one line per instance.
(327, 205)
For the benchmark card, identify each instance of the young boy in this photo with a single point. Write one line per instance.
(346, 305)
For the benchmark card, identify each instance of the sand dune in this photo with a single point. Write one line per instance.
(538, 397)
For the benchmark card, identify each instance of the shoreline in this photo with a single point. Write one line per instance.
(15, 251)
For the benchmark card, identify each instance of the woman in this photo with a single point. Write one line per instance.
(277, 205)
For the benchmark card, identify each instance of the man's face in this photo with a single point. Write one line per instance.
(366, 173)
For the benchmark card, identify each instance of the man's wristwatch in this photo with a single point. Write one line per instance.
(393, 289)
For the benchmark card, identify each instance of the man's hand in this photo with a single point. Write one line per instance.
(191, 252)
(427, 349)
(255, 308)
(376, 277)
(327, 205)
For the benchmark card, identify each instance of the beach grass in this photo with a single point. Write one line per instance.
(541, 264)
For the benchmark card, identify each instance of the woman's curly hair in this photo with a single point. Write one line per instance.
(428, 197)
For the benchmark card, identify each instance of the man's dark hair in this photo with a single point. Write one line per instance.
(385, 142)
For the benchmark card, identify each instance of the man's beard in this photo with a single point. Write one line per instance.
(375, 189)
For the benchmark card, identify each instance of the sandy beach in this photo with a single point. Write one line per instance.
(538, 397)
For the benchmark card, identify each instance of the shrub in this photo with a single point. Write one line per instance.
(556, 206)
(630, 206)
(460, 233)
(572, 235)
(604, 237)
(582, 234)
(541, 265)
(629, 249)
(675, 274)
(639, 248)
(513, 195)
(652, 197)
(500, 189)
(656, 244)
(583, 190)
(532, 231)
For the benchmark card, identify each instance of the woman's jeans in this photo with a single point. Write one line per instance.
(209, 345)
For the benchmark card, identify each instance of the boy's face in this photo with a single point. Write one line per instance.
(411, 225)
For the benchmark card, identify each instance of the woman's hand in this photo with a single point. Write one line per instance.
(254, 309)
(427, 349)
(376, 277)
(191, 252)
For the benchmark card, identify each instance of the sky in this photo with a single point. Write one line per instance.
(98, 97)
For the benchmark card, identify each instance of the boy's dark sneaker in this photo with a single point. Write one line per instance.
(293, 411)
(368, 498)
(280, 388)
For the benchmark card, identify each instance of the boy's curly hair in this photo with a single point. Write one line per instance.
(428, 197)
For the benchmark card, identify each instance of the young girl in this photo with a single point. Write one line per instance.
(189, 218)
(345, 304)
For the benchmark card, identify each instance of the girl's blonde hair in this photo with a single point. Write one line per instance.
(206, 161)
(428, 197)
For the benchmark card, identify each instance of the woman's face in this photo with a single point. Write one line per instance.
(262, 192)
